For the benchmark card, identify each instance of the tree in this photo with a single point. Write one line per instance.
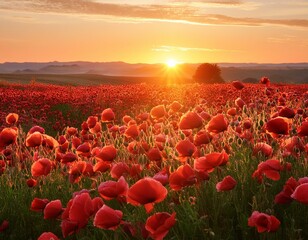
(208, 73)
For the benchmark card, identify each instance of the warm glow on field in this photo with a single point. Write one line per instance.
(171, 63)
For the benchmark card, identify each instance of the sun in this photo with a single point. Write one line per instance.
(171, 63)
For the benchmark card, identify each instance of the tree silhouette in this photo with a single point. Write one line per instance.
(208, 73)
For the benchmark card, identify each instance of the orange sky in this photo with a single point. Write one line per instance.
(151, 31)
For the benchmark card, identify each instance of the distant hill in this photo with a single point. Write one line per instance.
(284, 72)
(61, 69)
(275, 75)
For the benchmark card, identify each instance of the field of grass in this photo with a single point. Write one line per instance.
(143, 161)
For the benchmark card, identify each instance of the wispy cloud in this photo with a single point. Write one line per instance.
(227, 2)
(187, 49)
(167, 12)
(282, 39)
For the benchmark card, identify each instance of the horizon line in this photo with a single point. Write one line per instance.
(135, 63)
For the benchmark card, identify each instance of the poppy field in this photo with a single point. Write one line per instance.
(191, 161)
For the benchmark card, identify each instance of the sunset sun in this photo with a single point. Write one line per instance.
(171, 63)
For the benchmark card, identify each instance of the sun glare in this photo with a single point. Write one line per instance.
(171, 63)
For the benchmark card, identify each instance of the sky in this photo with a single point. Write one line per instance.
(153, 31)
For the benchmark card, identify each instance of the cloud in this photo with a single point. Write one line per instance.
(227, 2)
(97, 8)
(179, 13)
(186, 49)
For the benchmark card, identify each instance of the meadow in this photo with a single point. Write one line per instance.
(142, 161)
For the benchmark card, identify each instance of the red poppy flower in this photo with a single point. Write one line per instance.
(38, 204)
(161, 138)
(41, 167)
(71, 131)
(284, 197)
(158, 111)
(270, 168)
(286, 112)
(2, 167)
(49, 142)
(96, 129)
(205, 116)
(202, 137)
(97, 203)
(111, 189)
(162, 177)
(69, 157)
(155, 155)
(34, 139)
(107, 115)
(238, 85)
(107, 153)
(53, 209)
(76, 171)
(277, 126)
(303, 180)
(8, 136)
(247, 124)
(135, 170)
(159, 224)
(232, 111)
(89, 171)
(190, 120)
(65, 214)
(217, 124)
(300, 193)
(80, 192)
(119, 169)
(84, 127)
(292, 145)
(302, 131)
(63, 143)
(263, 148)
(84, 149)
(175, 106)
(208, 162)
(265, 80)
(126, 119)
(76, 142)
(36, 129)
(48, 236)
(146, 191)
(68, 228)
(11, 118)
(31, 182)
(132, 131)
(228, 183)
(239, 130)
(81, 209)
(185, 148)
(101, 166)
(143, 116)
(134, 147)
(263, 222)
(91, 121)
(107, 218)
(239, 102)
(4, 225)
(182, 177)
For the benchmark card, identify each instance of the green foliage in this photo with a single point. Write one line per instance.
(208, 73)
